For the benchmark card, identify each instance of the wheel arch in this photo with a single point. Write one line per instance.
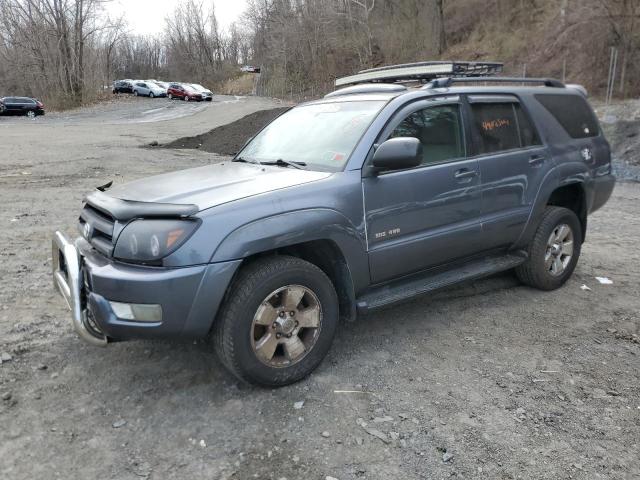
(322, 237)
(572, 196)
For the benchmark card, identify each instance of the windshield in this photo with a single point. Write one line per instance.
(198, 87)
(321, 136)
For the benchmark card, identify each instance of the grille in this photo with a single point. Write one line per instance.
(97, 228)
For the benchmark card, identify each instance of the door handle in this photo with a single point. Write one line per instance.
(536, 159)
(465, 173)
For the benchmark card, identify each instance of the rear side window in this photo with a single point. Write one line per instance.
(572, 112)
(497, 127)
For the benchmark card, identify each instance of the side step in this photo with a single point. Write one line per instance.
(421, 283)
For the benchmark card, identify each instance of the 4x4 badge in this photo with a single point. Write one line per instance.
(587, 156)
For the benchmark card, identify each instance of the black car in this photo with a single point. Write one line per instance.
(21, 106)
(122, 86)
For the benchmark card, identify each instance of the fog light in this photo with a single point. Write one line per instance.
(138, 312)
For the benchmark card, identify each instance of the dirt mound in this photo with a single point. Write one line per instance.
(229, 139)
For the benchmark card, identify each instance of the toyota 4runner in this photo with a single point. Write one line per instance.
(370, 196)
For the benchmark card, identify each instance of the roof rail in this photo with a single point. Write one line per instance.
(447, 82)
(420, 72)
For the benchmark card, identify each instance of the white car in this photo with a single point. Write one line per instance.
(207, 95)
(148, 89)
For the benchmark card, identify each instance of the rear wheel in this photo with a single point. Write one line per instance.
(135, 93)
(554, 250)
(151, 95)
(170, 97)
(186, 98)
(278, 321)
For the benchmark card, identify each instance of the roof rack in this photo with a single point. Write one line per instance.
(420, 72)
(447, 82)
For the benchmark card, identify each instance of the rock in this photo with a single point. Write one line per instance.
(154, 143)
(6, 396)
(447, 457)
(394, 435)
(359, 440)
(42, 366)
(5, 357)
(295, 459)
(55, 375)
(119, 423)
(298, 405)
(386, 418)
(403, 416)
(330, 478)
(325, 434)
(203, 444)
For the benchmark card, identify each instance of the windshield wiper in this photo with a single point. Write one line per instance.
(241, 159)
(285, 163)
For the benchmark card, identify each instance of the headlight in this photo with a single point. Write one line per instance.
(151, 240)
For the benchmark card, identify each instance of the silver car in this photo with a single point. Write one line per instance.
(207, 95)
(148, 89)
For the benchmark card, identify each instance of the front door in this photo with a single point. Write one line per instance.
(428, 215)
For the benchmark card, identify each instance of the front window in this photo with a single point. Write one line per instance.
(439, 129)
(320, 136)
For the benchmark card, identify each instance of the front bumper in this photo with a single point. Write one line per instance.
(189, 296)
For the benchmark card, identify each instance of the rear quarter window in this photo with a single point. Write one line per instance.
(572, 112)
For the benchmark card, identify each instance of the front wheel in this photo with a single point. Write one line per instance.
(170, 97)
(278, 321)
(151, 95)
(554, 250)
(186, 98)
(31, 114)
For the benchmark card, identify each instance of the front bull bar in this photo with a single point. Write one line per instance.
(67, 279)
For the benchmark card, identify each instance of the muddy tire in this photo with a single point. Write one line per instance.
(277, 321)
(554, 250)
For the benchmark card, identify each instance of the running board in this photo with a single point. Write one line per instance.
(421, 283)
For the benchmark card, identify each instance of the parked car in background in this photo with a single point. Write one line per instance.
(148, 89)
(250, 69)
(183, 91)
(122, 86)
(207, 95)
(21, 106)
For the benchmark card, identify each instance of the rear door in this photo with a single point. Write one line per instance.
(429, 215)
(13, 105)
(513, 162)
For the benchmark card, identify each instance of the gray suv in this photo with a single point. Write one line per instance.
(367, 197)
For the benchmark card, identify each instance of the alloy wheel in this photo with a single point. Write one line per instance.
(31, 114)
(559, 250)
(286, 326)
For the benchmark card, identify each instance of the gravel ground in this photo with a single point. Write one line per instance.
(488, 380)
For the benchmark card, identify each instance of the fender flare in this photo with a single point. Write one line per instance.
(297, 227)
(548, 186)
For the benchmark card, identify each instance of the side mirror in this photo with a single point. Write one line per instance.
(398, 153)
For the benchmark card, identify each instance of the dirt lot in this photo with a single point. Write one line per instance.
(501, 381)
